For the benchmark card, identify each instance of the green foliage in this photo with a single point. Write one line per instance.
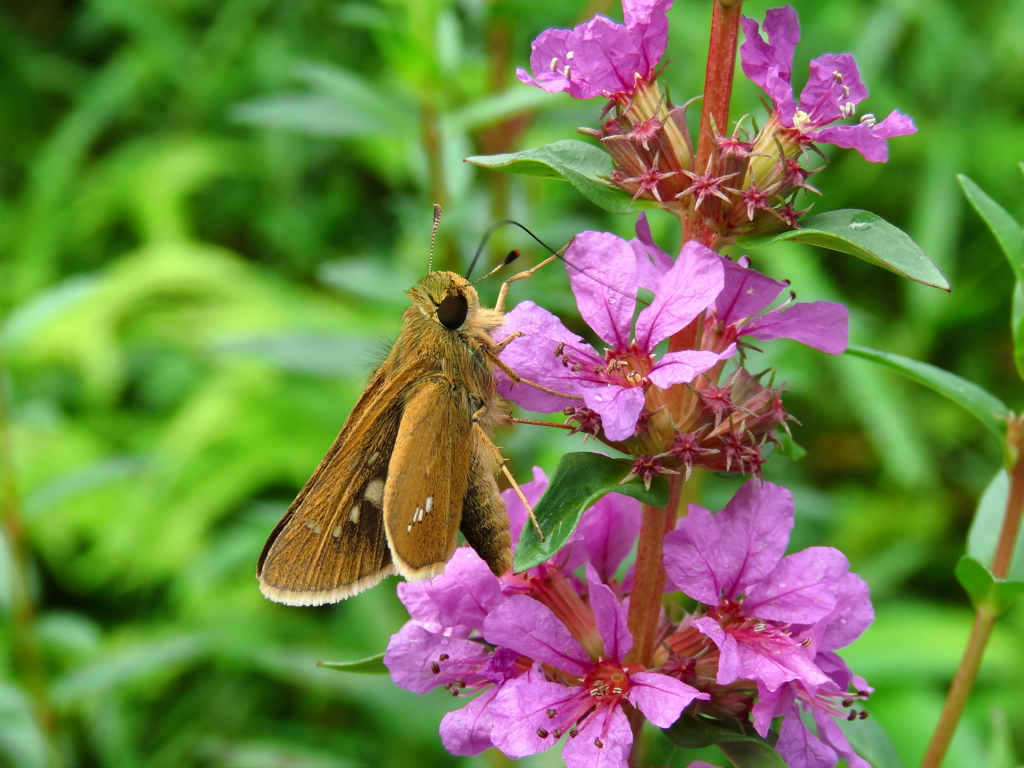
(865, 235)
(209, 212)
(583, 165)
(580, 481)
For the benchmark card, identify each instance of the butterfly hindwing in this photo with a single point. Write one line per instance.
(427, 477)
(484, 518)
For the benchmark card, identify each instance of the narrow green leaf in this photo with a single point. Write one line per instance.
(580, 480)
(871, 742)
(312, 114)
(988, 521)
(1004, 227)
(865, 235)
(373, 665)
(986, 407)
(975, 578)
(744, 750)
(491, 109)
(1007, 232)
(984, 588)
(583, 165)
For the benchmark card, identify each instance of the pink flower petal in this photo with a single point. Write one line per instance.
(651, 261)
(530, 628)
(684, 366)
(517, 515)
(686, 290)
(852, 615)
(619, 407)
(533, 358)
(609, 529)
(823, 325)
(467, 731)
(754, 529)
(869, 140)
(464, 594)
(602, 271)
(413, 649)
(610, 617)
(694, 556)
(661, 698)
(520, 709)
(802, 589)
(799, 747)
(611, 726)
(745, 293)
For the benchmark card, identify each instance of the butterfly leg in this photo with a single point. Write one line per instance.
(500, 304)
(517, 379)
(487, 443)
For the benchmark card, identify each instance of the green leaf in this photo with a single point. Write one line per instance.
(1008, 234)
(373, 665)
(313, 114)
(1004, 227)
(988, 521)
(744, 750)
(871, 742)
(580, 480)
(583, 165)
(984, 588)
(986, 407)
(865, 235)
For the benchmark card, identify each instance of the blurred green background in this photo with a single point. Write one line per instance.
(209, 214)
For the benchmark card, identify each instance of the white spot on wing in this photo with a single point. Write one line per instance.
(353, 515)
(373, 458)
(374, 492)
(336, 532)
(429, 504)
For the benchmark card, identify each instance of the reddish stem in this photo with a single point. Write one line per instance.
(649, 576)
(714, 114)
(987, 612)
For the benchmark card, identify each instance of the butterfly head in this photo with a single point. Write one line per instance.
(446, 298)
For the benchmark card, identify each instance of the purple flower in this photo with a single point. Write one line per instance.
(831, 93)
(798, 745)
(440, 644)
(576, 694)
(719, 559)
(601, 58)
(745, 294)
(603, 273)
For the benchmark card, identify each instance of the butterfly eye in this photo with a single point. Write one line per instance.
(452, 311)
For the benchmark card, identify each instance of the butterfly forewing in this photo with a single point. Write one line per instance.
(331, 543)
(427, 477)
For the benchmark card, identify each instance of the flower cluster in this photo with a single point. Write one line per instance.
(749, 182)
(546, 655)
(671, 410)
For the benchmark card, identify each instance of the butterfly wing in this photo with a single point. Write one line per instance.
(484, 517)
(331, 542)
(428, 477)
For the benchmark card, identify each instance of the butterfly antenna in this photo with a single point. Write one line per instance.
(433, 236)
(487, 236)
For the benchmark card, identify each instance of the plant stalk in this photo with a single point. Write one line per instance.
(714, 114)
(986, 614)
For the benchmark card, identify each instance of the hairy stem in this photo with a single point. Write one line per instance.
(986, 613)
